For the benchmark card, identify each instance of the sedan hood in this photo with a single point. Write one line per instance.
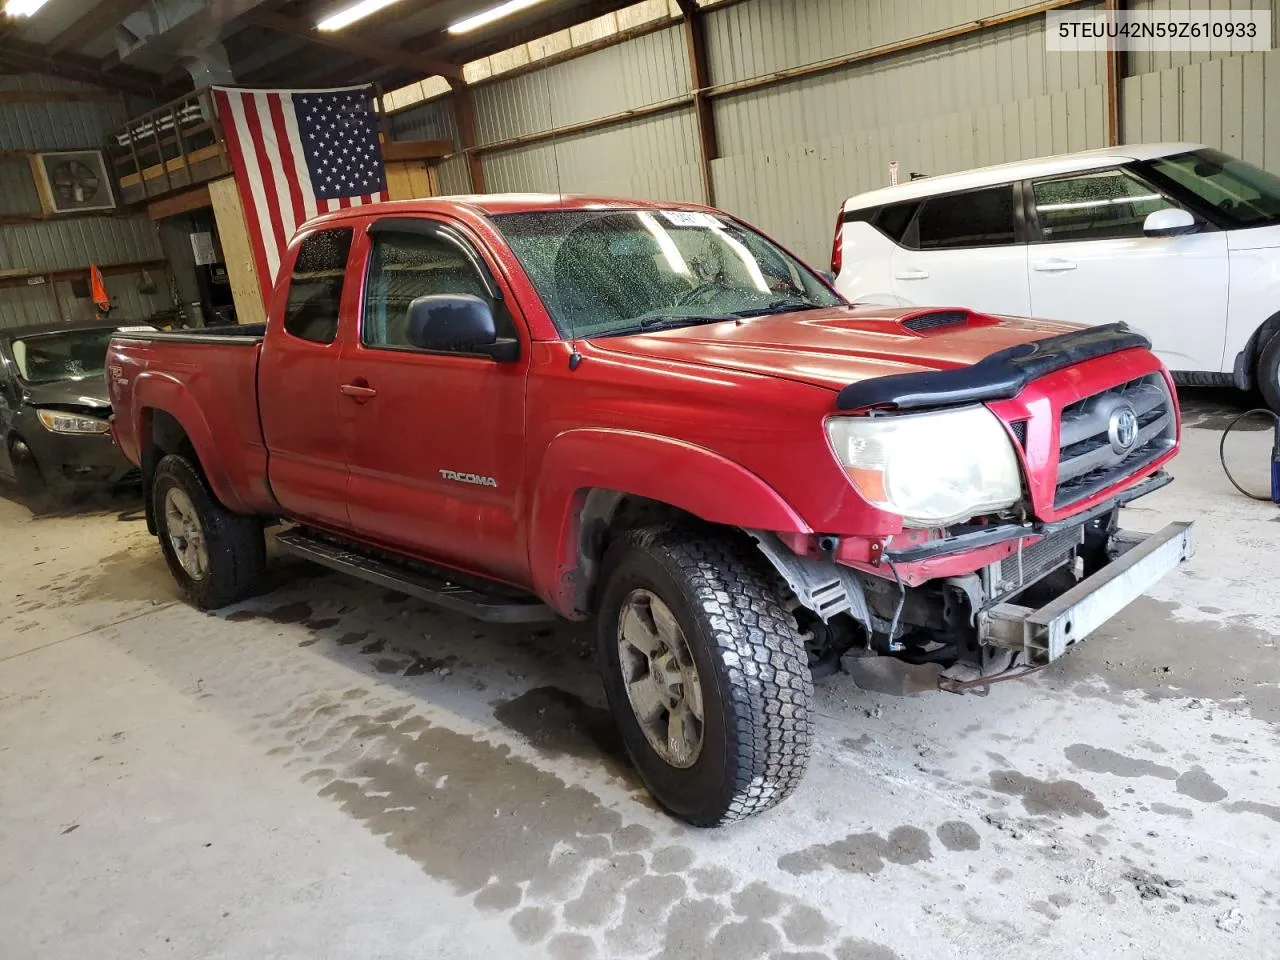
(835, 347)
(91, 393)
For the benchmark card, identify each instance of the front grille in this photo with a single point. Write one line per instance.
(1038, 559)
(1091, 454)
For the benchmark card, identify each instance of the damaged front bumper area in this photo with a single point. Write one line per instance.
(997, 623)
(1033, 637)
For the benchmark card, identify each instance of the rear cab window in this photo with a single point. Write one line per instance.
(315, 286)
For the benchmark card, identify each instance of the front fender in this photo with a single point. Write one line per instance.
(690, 478)
(161, 391)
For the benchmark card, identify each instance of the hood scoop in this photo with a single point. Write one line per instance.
(926, 321)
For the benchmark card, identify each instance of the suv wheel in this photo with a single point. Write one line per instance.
(1267, 376)
(705, 672)
(216, 556)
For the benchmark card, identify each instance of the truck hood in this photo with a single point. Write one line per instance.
(835, 347)
(91, 393)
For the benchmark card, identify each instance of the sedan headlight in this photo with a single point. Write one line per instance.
(60, 422)
(931, 468)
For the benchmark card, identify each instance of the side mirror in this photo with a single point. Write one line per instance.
(1169, 222)
(457, 323)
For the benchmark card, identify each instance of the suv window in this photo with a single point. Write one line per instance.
(315, 288)
(1105, 205)
(894, 219)
(405, 266)
(976, 218)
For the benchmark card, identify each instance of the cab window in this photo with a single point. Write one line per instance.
(1104, 205)
(407, 265)
(315, 287)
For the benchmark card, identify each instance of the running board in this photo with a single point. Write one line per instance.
(416, 581)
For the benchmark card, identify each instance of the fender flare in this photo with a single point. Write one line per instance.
(690, 478)
(153, 390)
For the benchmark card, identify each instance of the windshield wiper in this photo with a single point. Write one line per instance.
(785, 305)
(663, 321)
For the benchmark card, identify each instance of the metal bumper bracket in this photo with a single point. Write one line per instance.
(1045, 634)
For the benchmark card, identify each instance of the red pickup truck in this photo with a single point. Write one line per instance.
(652, 415)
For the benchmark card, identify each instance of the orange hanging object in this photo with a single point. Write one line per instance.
(98, 290)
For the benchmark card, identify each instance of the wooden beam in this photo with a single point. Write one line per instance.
(587, 126)
(393, 150)
(156, 170)
(56, 96)
(32, 58)
(108, 270)
(184, 202)
(96, 20)
(464, 110)
(237, 252)
(354, 43)
(695, 37)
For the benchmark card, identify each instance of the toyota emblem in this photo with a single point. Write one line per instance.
(1122, 430)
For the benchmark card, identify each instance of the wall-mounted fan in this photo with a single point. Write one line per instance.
(72, 181)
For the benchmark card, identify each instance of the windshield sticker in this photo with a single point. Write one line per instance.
(690, 218)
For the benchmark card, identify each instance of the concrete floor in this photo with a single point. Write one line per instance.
(334, 771)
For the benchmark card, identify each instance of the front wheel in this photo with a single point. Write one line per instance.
(705, 672)
(216, 556)
(1268, 373)
(33, 487)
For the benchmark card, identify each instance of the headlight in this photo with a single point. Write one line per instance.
(60, 422)
(931, 468)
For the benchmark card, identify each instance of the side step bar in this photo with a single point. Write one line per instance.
(416, 581)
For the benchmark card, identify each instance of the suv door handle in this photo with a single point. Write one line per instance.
(1054, 265)
(360, 391)
(911, 273)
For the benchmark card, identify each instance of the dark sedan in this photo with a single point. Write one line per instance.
(54, 411)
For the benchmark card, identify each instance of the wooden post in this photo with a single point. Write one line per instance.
(695, 37)
(410, 180)
(1114, 75)
(465, 110)
(237, 251)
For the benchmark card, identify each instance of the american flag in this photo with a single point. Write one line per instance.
(296, 154)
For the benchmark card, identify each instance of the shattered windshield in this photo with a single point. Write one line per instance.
(612, 272)
(69, 355)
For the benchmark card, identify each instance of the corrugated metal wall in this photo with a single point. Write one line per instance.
(1140, 62)
(791, 152)
(64, 243)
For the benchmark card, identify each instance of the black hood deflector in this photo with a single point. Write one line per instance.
(1000, 376)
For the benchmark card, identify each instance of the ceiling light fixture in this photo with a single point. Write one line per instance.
(349, 15)
(23, 8)
(489, 16)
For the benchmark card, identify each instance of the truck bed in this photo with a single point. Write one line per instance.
(206, 382)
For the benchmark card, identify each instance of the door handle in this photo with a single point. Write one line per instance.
(1053, 265)
(360, 391)
(912, 273)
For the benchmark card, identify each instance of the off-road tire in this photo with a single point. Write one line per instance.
(755, 683)
(236, 544)
(37, 493)
(1267, 374)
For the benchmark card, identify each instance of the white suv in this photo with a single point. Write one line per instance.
(1180, 241)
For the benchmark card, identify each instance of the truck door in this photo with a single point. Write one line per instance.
(298, 382)
(437, 445)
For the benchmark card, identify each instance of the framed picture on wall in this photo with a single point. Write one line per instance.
(72, 181)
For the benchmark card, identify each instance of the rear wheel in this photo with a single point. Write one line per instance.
(705, 672)
(216, 556)
(1268, 373)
